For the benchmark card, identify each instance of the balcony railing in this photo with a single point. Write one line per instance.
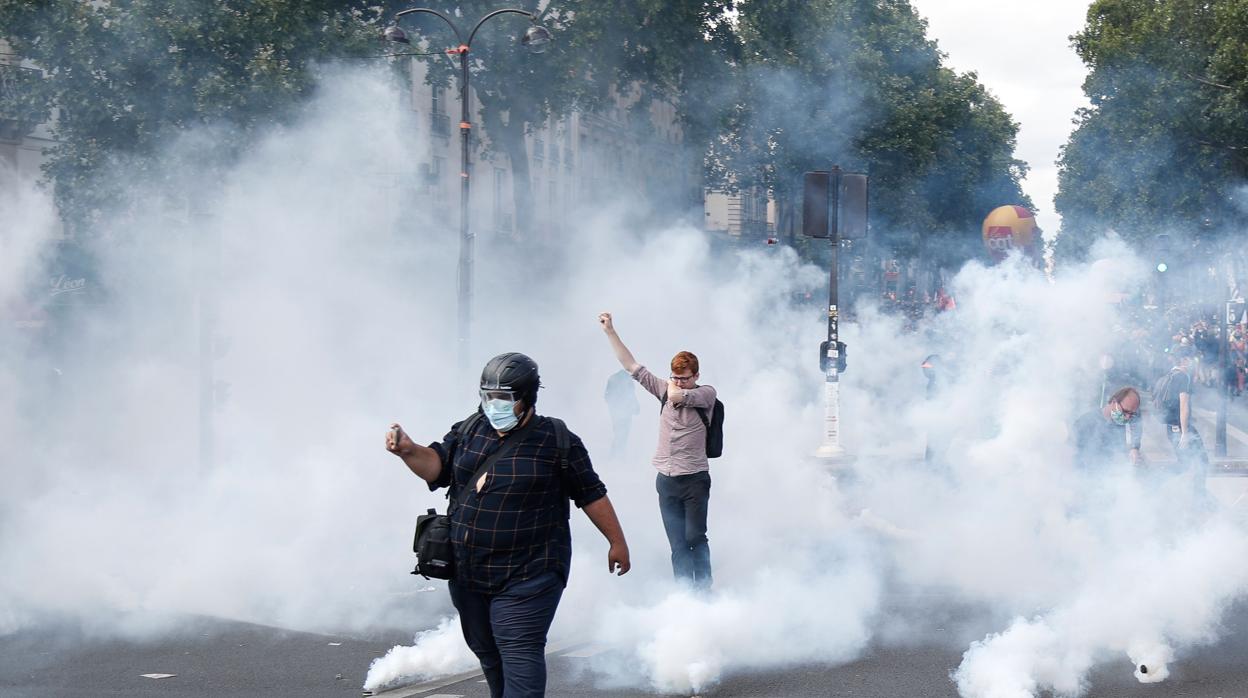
(21, 108)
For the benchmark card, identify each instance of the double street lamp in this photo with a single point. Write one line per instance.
(535, 39)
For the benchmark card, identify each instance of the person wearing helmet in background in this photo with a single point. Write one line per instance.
(684, 478)
(510, 536)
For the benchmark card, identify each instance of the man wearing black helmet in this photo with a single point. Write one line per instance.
(510, 535)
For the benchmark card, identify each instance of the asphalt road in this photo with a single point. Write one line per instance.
(209, 657)
(213, 657)
(1217, 671)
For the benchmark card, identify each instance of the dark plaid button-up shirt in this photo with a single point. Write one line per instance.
(516, 527)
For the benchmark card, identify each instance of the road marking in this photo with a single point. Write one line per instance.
(421, 689)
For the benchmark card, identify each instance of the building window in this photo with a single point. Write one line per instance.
(437, 105)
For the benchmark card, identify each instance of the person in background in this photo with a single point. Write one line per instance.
(1111, 433)
(1174, 400)
(622, 404)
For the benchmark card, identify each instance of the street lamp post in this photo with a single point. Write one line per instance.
(535, 39)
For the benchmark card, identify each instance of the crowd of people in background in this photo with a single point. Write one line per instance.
(1149, 337)
(913, 307)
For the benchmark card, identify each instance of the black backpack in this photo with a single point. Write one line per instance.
(714, 424)
(1162, 399)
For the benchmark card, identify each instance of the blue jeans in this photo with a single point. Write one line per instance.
(683, 501)
(507, 632)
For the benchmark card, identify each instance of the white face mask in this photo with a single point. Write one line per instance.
(501, 413)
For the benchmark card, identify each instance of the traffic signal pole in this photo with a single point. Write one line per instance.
(834, 206)
(831, 447)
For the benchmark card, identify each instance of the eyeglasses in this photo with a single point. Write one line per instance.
(487, 395)
(681, 379)
(1129, 414)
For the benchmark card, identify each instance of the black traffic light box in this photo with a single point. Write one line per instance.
(834, 202)
(840, 357)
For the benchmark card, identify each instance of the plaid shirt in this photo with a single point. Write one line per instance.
(516, 527)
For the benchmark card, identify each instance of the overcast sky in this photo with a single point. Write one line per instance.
(1021, 51)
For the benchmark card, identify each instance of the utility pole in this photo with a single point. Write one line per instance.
(1232, 310)
(834, 206)
(535, 39)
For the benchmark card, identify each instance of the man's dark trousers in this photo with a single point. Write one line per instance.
(1193, 458)
(507, 632)
(683, 501)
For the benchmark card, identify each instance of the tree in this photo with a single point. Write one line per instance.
(857, 83)
(678, 51)
(127, 76)
(647, 49)
(1164, 145)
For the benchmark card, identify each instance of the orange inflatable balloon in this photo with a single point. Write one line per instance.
(1009, 228)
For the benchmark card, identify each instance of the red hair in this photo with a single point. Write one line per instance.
(685, 361)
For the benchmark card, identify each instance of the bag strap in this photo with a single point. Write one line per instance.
(706, 422)
(562, 442)
(513, 439)
(466, 426)
(462, 432)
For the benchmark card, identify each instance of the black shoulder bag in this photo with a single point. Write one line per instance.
(435, 558)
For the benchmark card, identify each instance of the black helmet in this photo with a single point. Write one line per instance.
(515, 372)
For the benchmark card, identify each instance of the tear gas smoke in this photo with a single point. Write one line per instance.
(337, 297)
(107, 511)
(437, 652)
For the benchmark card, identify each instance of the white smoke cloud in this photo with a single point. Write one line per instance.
(684, 643)
(30, 226)
(336, 296)
(28, 231)
(294, 523)
(437, 652)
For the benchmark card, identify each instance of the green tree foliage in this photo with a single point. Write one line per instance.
(679, 51)
(1164, 144)
(764, 90)
(125, 76)
(648, 49)
(857, 83)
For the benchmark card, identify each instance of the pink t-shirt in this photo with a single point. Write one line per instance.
(682, 435)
